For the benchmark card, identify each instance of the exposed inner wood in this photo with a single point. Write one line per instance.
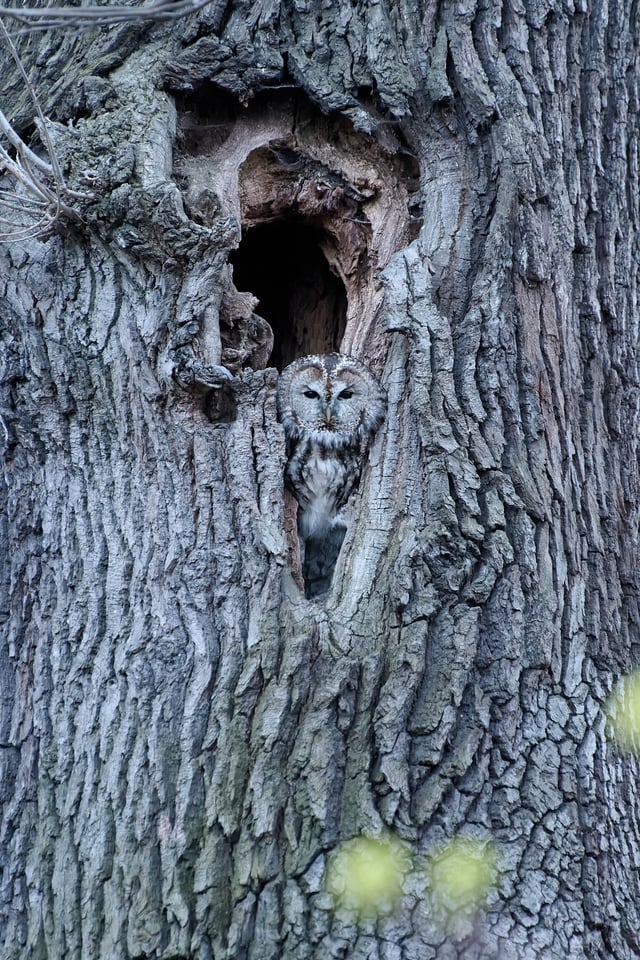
(321, 210)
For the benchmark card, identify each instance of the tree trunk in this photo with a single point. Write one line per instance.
(451, 193)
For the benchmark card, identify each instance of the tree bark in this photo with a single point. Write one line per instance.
(185, 738)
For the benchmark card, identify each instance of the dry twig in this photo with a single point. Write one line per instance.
(42, 195)
(83, 18)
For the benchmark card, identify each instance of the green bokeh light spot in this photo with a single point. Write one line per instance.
(623, 710)
(367, 873)
(462, 872)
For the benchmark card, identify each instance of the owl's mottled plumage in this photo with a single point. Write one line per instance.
(330, 406)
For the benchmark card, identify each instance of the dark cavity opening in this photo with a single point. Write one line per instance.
(305, 303)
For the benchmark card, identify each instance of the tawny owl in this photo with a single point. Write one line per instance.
(330, 407)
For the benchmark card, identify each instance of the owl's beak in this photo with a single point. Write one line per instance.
(327, 414)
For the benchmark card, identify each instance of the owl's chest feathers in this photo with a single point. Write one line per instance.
(322, 479)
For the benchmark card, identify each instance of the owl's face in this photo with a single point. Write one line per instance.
(333, 399)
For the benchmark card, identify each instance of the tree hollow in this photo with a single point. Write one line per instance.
(304, 301)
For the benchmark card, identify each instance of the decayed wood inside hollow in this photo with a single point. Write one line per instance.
(321, 208)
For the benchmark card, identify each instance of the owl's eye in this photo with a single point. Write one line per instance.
(345, 395)
(312, 394)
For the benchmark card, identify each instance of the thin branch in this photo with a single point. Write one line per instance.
(15, 141)
(57, 173)
(46, 18)
(25, 177)
(15, 201)
(31, 171)
(43, 182)
(24, 232)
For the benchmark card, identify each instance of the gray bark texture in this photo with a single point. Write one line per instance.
(184, 738)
